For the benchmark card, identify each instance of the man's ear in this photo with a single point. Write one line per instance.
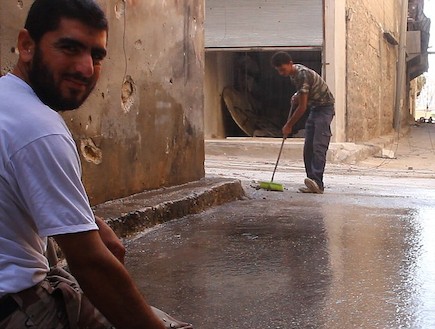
(26, 46)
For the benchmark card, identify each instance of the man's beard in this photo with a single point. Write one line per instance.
(48, 90)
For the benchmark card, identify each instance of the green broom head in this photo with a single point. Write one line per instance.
(271, 186)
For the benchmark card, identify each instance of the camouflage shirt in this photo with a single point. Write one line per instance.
(309, 82)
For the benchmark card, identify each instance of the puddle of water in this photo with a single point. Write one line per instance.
(275, 265)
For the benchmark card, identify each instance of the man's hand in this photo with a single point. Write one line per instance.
(110, 239)
(299, 104)
(287, 130)
(106, 282)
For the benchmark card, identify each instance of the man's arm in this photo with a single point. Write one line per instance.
(301, 102)
(106, 282)
(110, 239)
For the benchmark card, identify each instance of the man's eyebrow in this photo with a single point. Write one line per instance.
(66, 41)
(69, 42)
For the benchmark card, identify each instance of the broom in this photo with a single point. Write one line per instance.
(272, 186)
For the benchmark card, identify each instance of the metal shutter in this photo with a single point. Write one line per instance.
(263, 23)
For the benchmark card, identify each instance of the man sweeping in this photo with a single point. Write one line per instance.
(313, 95)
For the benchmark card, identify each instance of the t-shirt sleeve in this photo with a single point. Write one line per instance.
(48, 177)
(304, 87)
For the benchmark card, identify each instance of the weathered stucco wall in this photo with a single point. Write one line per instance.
(371, 67)
(142, 128)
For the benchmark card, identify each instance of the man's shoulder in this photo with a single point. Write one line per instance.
(302, 72)
(24, 118)
(302, 69)
(11, 84)
(21, 106)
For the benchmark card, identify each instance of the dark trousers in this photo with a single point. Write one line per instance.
(317, 138)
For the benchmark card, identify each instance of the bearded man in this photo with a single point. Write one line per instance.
(61, 50)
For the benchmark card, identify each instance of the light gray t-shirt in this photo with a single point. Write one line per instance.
(41, 193)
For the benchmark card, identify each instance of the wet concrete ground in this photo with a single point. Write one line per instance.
(362, 255)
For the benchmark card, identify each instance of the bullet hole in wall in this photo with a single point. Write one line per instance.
(102, 95)
(119, 8)
(170, 81)
(138, 44)
(90, 152)
(13, 50)
(128, 94)
(20, 4)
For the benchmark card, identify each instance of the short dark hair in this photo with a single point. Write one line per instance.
(45, 15)
(280, 58)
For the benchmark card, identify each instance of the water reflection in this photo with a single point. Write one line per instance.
(423, 278)
(383, 268)
(259, 264)
(249, 267)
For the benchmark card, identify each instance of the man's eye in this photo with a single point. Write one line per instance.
(70, 49)
(98, 56)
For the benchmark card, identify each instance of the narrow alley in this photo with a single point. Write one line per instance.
(361, 255)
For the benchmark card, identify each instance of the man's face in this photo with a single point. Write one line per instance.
(66, 64)
(285, 69)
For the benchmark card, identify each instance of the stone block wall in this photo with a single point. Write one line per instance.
(371, 67)
(142, 128)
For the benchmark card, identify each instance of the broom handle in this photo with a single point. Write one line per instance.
(277, 160)
(282, 143)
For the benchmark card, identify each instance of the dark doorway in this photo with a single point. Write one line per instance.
(257, 102)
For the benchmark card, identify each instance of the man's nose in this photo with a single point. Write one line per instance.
(85, 65)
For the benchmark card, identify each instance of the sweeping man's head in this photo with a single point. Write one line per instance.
(282, 62)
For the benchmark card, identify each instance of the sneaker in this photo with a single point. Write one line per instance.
(304, 189)
(313, 186)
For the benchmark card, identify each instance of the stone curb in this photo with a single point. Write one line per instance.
(135, 213)
(260, 148)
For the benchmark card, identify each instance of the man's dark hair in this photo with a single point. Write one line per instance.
(44, 15)
(280, 58)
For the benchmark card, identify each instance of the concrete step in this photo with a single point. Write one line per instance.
(268, 148)
(132, 214)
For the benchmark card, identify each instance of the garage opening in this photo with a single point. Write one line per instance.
(245, 96)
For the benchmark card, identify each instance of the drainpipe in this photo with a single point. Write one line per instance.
(401, 65)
